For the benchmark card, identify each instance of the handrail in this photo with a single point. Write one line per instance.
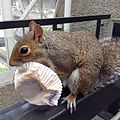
(55, 21)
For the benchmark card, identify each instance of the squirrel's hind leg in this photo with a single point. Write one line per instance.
(81, 80)
(73, 85)
(71, 102)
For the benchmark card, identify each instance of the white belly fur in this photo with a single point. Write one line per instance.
(73, 82)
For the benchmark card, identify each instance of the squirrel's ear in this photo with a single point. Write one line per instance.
(32, 25)
(38, 33)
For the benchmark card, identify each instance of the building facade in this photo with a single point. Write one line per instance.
(94, 7)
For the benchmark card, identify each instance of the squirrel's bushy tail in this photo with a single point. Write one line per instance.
(110, 70)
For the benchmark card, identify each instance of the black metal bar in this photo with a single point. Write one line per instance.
(98, 28)
(54, 26)
(51, 21)
(23, 30)
(116, 30)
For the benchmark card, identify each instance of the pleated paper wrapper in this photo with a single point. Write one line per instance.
(38, 84)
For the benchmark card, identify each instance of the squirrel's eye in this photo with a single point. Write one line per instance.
(24, 50)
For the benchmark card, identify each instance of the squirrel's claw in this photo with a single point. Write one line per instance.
(71, 105)
(71, 102)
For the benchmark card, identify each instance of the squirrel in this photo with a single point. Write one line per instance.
(76, 57)
(110, 69)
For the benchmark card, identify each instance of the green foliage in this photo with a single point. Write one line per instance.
(3, 69)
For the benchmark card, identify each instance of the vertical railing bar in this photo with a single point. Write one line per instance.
(54, 26)
(98, 28)
(23, 30)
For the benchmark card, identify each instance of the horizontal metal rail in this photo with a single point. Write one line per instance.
(50, 21)
(55, 21)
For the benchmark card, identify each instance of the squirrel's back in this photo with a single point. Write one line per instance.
(67, 50)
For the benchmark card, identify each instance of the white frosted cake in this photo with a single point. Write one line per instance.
(38, 84)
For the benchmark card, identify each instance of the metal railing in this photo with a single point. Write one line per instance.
(51, 21)
(55, 21)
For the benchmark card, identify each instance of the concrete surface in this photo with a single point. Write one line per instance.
(8, 96)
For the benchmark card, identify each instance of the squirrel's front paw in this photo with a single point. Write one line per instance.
(71, 102)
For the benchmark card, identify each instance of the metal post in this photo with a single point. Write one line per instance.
(54, 26)
(67, 13)
(98, 28)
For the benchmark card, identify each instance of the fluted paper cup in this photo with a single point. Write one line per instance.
(38, 84)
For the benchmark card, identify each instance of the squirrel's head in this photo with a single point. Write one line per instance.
(30, 47)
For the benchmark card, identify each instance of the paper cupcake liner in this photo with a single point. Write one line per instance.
(38, 84)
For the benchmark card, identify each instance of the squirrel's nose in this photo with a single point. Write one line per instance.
(12, 62)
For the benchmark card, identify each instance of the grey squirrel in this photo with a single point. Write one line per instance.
(110, 70)
(77, 57)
